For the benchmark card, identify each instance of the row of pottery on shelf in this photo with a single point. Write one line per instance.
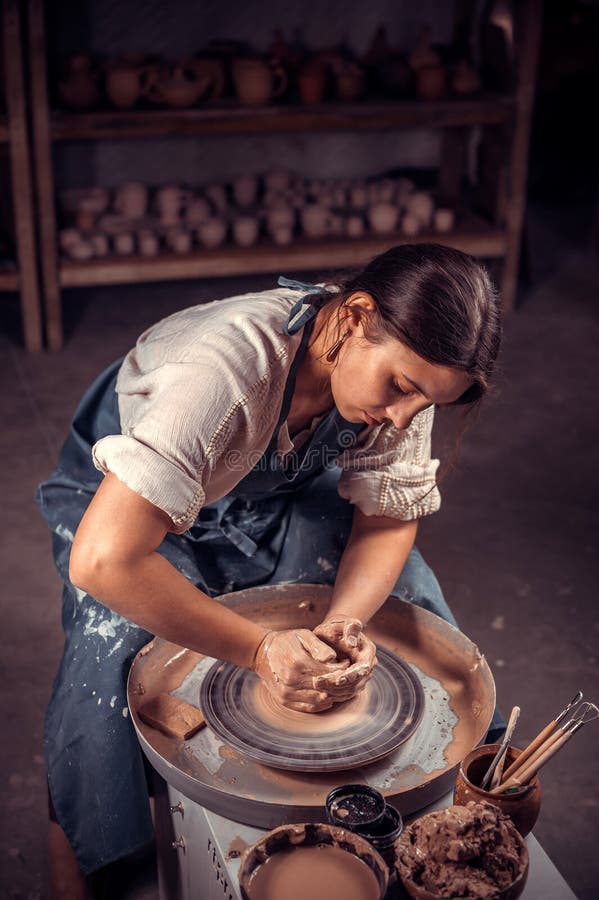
(256, 79)
(115, 235)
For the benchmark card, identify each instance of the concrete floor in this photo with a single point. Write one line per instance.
(514, 546)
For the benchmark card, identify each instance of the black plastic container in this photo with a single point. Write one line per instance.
(384, 833)
(355, 806)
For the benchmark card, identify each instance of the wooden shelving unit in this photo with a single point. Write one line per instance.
(22, 275)
(504, 120)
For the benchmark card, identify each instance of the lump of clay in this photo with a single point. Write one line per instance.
(469, 851)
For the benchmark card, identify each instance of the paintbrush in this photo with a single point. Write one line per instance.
(502, 749)
(541, 737)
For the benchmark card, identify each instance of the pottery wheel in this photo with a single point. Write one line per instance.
(241, 711)
(452, 675)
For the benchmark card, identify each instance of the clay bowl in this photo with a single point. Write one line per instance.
(523, 809)
(418, 892)
(304, 835)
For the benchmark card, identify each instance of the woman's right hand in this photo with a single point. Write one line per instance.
(290, 663)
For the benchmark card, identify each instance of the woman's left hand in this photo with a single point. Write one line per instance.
(345, 635)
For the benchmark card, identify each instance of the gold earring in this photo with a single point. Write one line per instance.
(334, 351)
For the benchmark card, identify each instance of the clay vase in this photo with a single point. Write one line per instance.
(431, 82)
(79, 88)
(256, 81)
(424, 53)
(123, 84)
(312, 83)
(523, 810)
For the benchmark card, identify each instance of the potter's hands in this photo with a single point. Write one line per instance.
(345, 636)
(291, 663)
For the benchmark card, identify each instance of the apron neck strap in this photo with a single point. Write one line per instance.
(306, 308)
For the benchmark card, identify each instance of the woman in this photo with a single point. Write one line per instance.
(277, 436)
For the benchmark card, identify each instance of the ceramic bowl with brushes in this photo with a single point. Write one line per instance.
(522, 805)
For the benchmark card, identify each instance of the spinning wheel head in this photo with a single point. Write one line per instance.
(384, 715)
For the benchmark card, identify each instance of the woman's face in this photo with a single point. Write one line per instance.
(373, 383)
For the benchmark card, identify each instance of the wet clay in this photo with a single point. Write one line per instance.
(322, 872)
(333, 720)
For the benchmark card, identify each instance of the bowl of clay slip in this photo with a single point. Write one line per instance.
(322, 862)
(469, 851)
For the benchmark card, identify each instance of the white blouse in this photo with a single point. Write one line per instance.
(199, 398)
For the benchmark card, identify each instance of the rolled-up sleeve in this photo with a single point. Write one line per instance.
(392, 473)
(161, 454)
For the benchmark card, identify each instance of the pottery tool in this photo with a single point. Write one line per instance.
(588, 713)
(509, 732)
(174, 717)
(541, 737)
(497, 761)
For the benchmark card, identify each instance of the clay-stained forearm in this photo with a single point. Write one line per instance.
(114, 560)
(374, 557)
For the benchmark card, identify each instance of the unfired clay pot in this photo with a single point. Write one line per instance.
(383, 217)
(131, 200)
(443, 220)
(245, 231)
(213, 232)
(245, 190)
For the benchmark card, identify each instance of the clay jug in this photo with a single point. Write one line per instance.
(79, 87)
(256, 81)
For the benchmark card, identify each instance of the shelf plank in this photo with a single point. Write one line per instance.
(231, 118)
(480, 240)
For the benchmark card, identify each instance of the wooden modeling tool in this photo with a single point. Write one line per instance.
(503, 748)
(523, 774)
(509, 731)
(541, 737)
(173, 716)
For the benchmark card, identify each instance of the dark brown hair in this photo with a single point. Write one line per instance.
(438, 301)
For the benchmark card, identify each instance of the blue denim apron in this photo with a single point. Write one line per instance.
(284, 521)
